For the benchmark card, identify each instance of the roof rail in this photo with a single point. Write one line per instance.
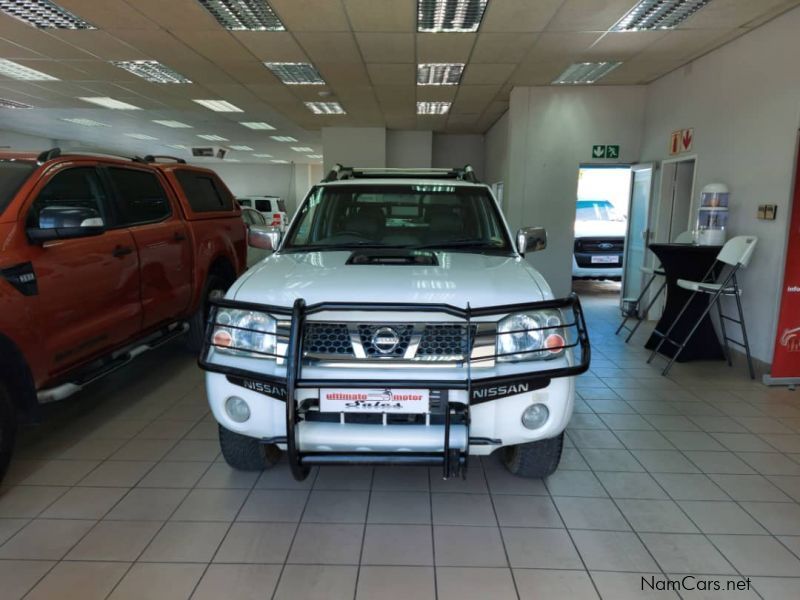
(340, 173)
(56, 152)
(151, 158)
(48, 155)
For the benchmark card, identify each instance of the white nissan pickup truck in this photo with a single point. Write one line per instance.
(397, 322)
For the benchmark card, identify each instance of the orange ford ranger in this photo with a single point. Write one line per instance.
(100, 260)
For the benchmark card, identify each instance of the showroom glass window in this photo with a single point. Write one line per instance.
(400, 216)
(12, 175)
(78, 188)
(141, 195)
(203, 192)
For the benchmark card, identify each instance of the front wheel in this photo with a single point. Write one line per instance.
(245, 453)
(534, 459)
(8, 429)
(215, 287)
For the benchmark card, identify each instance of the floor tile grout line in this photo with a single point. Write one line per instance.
(433, 536)
(364, 533)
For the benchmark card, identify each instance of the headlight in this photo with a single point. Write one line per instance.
(530, 336)
(244, 332)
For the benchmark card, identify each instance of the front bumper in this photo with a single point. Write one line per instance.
(473, 415)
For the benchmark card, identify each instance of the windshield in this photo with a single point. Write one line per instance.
(12, 175)
(596, 210)
(399, 216)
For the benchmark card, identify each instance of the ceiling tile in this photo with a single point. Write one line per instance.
(247, 71)
(14, 51)
(311, 15)
(382, 15)
(215, 45)
(157, 44)
(502, 47)
(489, 73)
(110, 14)
(386, 47)
(639, 71)
(538, 73)
(729, 14)
(559, 46)
(518, 15)
(100, 43)
(436, 93)
(330, 47)
(201, 71)
(444, 47)
(589, 15)
(685, 43)
(174, 14)
(272, 46)
(620, 45)
(272, 93)
(68, 71)
(389, 74)
(37, 40)
(342, 74)
(474, 98)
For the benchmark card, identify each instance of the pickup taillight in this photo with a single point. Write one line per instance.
(276, 219)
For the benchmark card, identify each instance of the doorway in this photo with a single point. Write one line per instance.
(600, 228)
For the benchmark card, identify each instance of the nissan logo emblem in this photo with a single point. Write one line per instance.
(385, 340)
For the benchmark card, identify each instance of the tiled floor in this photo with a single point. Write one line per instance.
(123, 495)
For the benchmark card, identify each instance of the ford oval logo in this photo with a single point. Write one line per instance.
(605, 246)
(385, 340)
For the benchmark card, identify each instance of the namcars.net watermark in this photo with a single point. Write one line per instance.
(689, 583)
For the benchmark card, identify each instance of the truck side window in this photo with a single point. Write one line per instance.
(73, 188)
(203, 192)
(143, 198)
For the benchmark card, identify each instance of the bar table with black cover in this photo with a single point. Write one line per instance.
(692, 262)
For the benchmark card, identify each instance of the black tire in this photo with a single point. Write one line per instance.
(535, 459)
(8, 429)
(245, 453)
(216, 285)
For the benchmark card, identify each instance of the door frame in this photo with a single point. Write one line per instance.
(654, 166)
(692, 200)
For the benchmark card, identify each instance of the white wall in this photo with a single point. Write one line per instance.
(24, 142)
(246, 179)
(743, 101)
(457, 150)
(354, 146)
(409, 149)
(551, 132)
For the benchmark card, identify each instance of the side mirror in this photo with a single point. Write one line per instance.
(531, 239)
(64, 222)
(263, 237)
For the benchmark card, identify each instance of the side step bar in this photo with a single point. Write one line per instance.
(116, 361)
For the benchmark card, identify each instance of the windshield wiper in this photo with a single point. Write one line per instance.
(348, 246)
(457, 244)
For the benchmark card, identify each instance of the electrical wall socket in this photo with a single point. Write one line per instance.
(767, 212)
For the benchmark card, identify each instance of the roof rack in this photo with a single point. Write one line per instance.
(56, 152)
(151, 158)
(340, 173)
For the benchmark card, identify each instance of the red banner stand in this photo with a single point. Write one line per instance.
(786, 358)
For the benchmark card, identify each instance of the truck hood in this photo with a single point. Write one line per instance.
(600, 228)
(460, 278)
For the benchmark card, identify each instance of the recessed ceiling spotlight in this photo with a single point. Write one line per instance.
(263, 155)
(173, 124)
(256, 125)
(302, 149)
(17, 71)
(244, 15)
(107, 102)
(151, 70)
(141, 136)
(212, 137)
(585, 73)
(439, 73)
(218, 105)
(283, 138)
(650, 15)
(325, 108)
(433, 108)
(5, 103)
(43, 14)
(85, 122)
(296, 73)
(241, 148)
(280, 161)
(449, 15)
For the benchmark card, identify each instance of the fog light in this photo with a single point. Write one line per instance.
(237, 409)
(534, 416)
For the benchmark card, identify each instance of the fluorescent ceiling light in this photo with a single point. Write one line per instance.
(5, 103)
(178, 146)
(211, 137)
(314, 156)
(107, 102)
(302, 149)
(17, 71)
(449, 15)
(263, 155)
(43, 14)
(219, 105)
(283, 138)
(231, 160)
(296, 73)
(280, 161)
(433, 108)
(141, 136)
(325, 108)
(241, 148)
(439, 73)
(658, 14)
(256, 125)
(174, 124)
(244, 15)
(585, 72)
(85, 122)
(151, 70)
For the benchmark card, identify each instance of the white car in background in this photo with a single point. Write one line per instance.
(599, 241)
(272, 207)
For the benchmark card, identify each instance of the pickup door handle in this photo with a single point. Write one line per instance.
(121, 251)
(179, 237)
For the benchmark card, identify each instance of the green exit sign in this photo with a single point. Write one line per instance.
(605, 151)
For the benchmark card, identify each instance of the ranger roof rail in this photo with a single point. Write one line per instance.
(340, 173)
(56, 152)
(151, 158)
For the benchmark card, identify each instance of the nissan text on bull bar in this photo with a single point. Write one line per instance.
(397, 322)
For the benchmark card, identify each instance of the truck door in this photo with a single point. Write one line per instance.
(88, 287)
(162, 240)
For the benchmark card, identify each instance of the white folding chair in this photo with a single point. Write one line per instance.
(735, 254)
(685, 237)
